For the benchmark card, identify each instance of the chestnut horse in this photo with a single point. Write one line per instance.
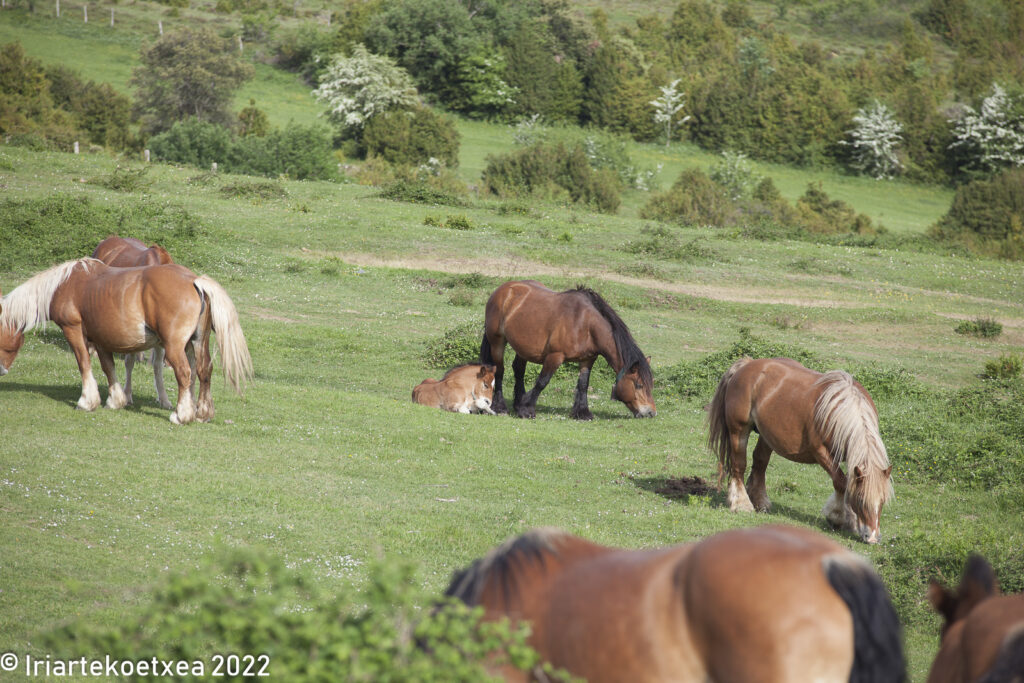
(549, 328)
(464, 389)
(128, 252)
(769, 604)
(10, 342)
(125, 310)
(807, 417)
(983, 633)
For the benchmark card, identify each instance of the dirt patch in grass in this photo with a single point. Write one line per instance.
(684, 487)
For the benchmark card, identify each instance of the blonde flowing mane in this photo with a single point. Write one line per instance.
(28, 305)
(846, 420)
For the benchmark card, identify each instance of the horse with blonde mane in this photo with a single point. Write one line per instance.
(807, 417)
(983, 633)
(128, 252)
(126, 310)
(772, 604)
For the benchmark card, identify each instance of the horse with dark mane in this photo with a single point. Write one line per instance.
(128, 252)
(772, 604)
(807, 417)
(125, 310)
(983, 633)
(550, 328)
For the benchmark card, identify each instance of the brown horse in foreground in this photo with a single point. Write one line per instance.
(983, 634)
(125, 310)
(550, 328)
(807, 417)
(763, 605)
(128, 252)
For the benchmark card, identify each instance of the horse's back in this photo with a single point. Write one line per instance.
(128, 252)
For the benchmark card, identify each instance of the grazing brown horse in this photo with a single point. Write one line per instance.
(550, 328)
(807, 417)
(463, 389)
(983, 633)
(125, 310)
(128, 252)
(764, 605)
(10, 342)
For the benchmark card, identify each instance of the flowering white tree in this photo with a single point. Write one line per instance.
(359, 87)
(667, 107)
(874, 141)
(992, 138)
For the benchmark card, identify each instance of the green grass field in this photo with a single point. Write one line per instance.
(326, 463)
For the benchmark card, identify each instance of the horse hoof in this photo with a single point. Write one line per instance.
(583, 415)
(742, 506)
(526, 412)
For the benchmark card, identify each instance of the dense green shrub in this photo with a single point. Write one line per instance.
(249, 603)
(305, 50)
(419, 192)
(552, 172)
(694, 199)
(412, 137)
(818, 213)
(38, 233)
(980, 327)
(458, 345)
(295, 151)
(661, 242)
(124, 179)
(1007, 366)
(987, 216)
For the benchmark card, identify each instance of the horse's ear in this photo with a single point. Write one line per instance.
(979, 580)
(858, 473)
(887, 471)
(941, 599)
(482, 372)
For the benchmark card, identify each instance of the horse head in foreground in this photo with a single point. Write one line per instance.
(807, 417)
(127, 252)
(125, 310)
(983, 633)
(550, 328)
(772, 604)
(464, 389)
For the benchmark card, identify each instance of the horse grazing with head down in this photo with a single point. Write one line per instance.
(128, 252)
(125, 310)
(983, 633)
(807, 417)
(550, 328)
(772, 604)
(463, 389)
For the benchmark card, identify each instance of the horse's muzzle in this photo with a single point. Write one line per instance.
(645, 411)
(3, 371)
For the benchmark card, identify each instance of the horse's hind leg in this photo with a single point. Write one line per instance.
(528, 407)
(757, 488)
(185, 411)
(116, 397)
(580, 409)
(157, 359)
(203, 370)
(519, 372)
(497, 357)
(737, 496)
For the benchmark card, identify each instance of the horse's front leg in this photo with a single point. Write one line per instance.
(528, 407)
(116, 397)
(519, 388)
(185, 411)
(836, 511)
(580, 409)
(129, 364)
(90, 398)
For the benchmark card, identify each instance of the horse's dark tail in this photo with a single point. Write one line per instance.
(485, 351)
(1009, 664)
(629, 352)
(877, 635)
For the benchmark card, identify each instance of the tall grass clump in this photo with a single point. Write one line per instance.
(980, 327)
(458, 345)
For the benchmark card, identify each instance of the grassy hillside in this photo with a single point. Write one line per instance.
(326, 463)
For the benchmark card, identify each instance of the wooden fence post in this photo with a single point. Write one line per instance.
(76, 146)
(85, 13)
(145, 155)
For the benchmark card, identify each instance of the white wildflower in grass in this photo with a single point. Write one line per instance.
(359, 87)
(667, 108)
(992, 138)
(874, 141)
